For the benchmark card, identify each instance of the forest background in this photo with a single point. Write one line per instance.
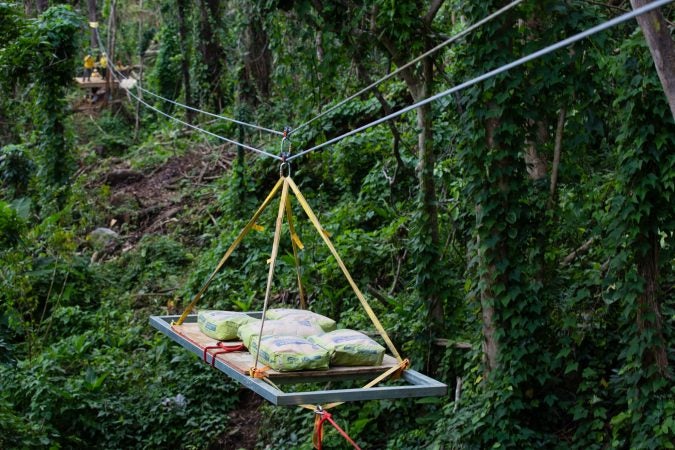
(515, 238)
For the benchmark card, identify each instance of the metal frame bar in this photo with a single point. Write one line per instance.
(419, 385)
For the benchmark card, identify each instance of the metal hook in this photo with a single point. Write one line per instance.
(285, 166)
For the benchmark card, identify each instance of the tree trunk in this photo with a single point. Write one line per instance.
(140, 75)
(420, 86)
(212, 53)
(488, 279)
(110, 45)
(42, 5)
(257, 59)
(425, 174)
(534, 159)
(91, 6)
(662, 48)
(185, 59)
(649, 317)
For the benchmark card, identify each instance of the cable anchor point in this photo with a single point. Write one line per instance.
(285, 153)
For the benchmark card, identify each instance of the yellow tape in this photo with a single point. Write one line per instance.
(391, 371)
(297, 244)
(362, 299)
(235, 244)
(271, 261)
(296, 240)
(257, 227)
(93, 24)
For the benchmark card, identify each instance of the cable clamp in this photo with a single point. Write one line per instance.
(258, 373)
(285, 168)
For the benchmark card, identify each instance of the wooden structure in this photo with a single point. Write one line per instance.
(237, 364)
(94, 83)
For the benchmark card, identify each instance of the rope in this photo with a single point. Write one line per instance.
(324, 416)
(392, 371)
(546, 50)
(419, 58)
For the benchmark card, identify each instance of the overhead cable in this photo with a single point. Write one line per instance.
(200, 111)
(229, 119)
(410, 63)
(217, 136)
(551, 48)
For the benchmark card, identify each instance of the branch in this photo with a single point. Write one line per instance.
(572, 256)
(381, 297)
(406, 73)
(556, 154)
(398, 271)
(458, 394)
(455, 344)
(621, 9)
(433, 10)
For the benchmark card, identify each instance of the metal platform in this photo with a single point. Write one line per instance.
(236, 365)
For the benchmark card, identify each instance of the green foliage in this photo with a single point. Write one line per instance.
(568, 278)
(12, 227)
(15, 170)
(639, 213)
(155, 266)
(32, 47)
(112, 386)
(165, 78)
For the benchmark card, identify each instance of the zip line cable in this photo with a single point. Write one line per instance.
(229, 119)
(115, 73)
(551, 48)
(410, 63)
(222, 138)
(218, 116)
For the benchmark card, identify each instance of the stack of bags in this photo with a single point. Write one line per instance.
(293, 339)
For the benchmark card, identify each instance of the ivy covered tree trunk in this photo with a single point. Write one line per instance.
(183, 13)
(257, 60)
(429, 282)
(58, 48)
(426, 242)
(640, 221)
(213, 56)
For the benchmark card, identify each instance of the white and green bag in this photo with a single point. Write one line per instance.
(289, 353)
(350, 348)
(327, 324)
(222, 325)
(300, 328)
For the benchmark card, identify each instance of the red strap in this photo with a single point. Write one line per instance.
(321, 417)
(222, 348)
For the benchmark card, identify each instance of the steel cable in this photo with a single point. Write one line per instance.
(449, 41)
(532, 56)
